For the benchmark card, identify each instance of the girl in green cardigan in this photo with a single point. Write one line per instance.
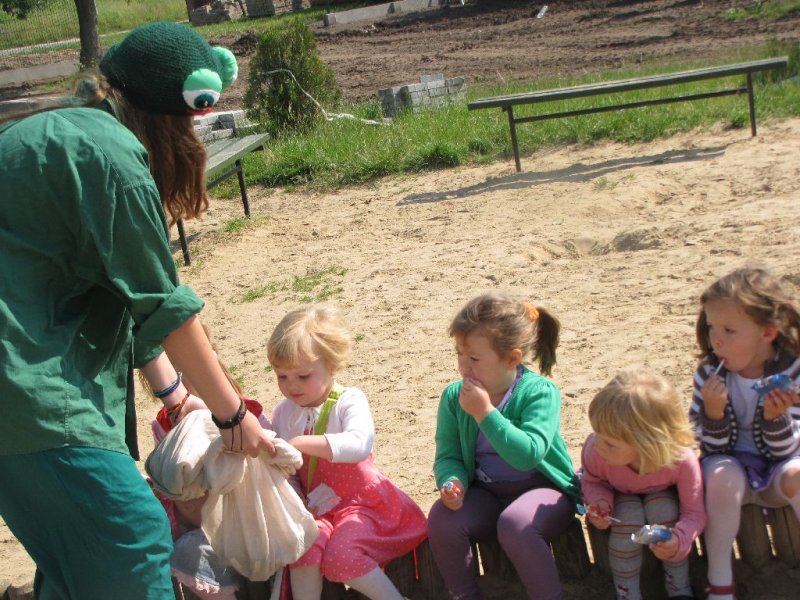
(501, 465)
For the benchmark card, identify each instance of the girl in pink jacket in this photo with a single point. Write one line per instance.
(640, 467)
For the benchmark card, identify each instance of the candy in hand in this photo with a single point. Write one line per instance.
(779, 381)
(651, 534)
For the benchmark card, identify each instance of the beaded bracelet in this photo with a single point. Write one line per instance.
(175, 411)
(163, 393)
(234, 420)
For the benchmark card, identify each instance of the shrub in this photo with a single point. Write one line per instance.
(273, 96)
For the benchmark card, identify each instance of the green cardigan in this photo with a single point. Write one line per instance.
(526, 434)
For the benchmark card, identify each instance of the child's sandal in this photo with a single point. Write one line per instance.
(721, 590)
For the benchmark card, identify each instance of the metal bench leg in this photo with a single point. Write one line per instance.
(752, 101)
(512, 126)
(184, 246)
(243, 188)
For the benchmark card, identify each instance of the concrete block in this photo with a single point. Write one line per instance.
(432, 78)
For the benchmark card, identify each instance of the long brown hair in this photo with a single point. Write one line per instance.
(177, 156)
(763, 297)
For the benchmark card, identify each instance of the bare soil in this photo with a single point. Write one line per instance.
(494, 42)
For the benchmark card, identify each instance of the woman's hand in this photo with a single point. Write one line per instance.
(777, 402)
(248, 437)
(715, 397)
(474, 399)
(665, 550)
(452, 494)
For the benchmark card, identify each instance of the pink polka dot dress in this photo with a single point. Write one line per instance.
(374, 521)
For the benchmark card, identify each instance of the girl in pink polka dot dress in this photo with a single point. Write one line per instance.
(364, 519)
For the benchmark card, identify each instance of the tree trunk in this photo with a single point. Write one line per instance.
(90, 38)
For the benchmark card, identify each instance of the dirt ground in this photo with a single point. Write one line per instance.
(618, 240)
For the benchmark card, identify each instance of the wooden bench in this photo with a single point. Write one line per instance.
(224, 160)
(507, 103)
(765, 535)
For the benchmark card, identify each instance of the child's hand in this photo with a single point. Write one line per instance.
(474, 399)
(665, 550)
(452, 494)
(777, 402)
(599, 514)
(715, 397)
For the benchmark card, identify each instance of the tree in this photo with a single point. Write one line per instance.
(90, 37)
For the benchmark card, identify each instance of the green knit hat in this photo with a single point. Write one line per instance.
(169, 68)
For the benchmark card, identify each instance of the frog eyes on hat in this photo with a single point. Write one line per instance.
(201, 89)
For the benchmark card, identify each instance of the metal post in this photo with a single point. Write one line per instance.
(752, 101)
(243, 188)
(184, 246)
(513, 128)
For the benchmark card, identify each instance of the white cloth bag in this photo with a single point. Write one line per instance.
(252, 518)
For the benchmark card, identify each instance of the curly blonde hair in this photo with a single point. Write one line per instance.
(643, 410)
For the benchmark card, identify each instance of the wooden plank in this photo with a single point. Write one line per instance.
(598, 539)
(223, 153)
(753, 538)
(570, 552)
(635, 83)
(785, 535)
(495, 561)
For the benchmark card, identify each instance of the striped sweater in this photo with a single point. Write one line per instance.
(776, 440)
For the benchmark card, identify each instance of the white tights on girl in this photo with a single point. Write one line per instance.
(727, 490)
(307, 584)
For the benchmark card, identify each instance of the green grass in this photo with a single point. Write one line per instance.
(763, 9)
(347, 152)
(59, 20)
(316, 286)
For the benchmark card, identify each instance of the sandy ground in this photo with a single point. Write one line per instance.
(618, 240)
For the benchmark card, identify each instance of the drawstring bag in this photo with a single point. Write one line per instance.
(253, 519)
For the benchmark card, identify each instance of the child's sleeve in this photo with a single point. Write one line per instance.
(692, 515)
(594, 485)
(714, 436)
(449, 461)
(351, 431)
(523, 439)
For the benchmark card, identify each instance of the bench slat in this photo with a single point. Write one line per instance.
(786, 535)
(635, 83)
(223, 153)
(753, 538)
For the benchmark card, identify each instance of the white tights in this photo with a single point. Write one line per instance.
(307, 584)
(727, 490)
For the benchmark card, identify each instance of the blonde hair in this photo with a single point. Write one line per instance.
(308, 334)
(508, 325)
(643, 410)
(763, 297)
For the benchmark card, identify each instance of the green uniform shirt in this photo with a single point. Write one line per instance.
(85, 270)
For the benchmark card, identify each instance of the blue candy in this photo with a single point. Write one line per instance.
(779, 381)
(651, 534)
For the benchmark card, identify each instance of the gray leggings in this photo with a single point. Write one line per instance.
(523, 517)
(625, 555)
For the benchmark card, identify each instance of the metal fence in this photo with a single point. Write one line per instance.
(59, 16)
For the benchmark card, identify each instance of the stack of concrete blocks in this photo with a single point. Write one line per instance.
(223, 124)
(267, 8)
(217, 11)
(377, 11)
(432, 91)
